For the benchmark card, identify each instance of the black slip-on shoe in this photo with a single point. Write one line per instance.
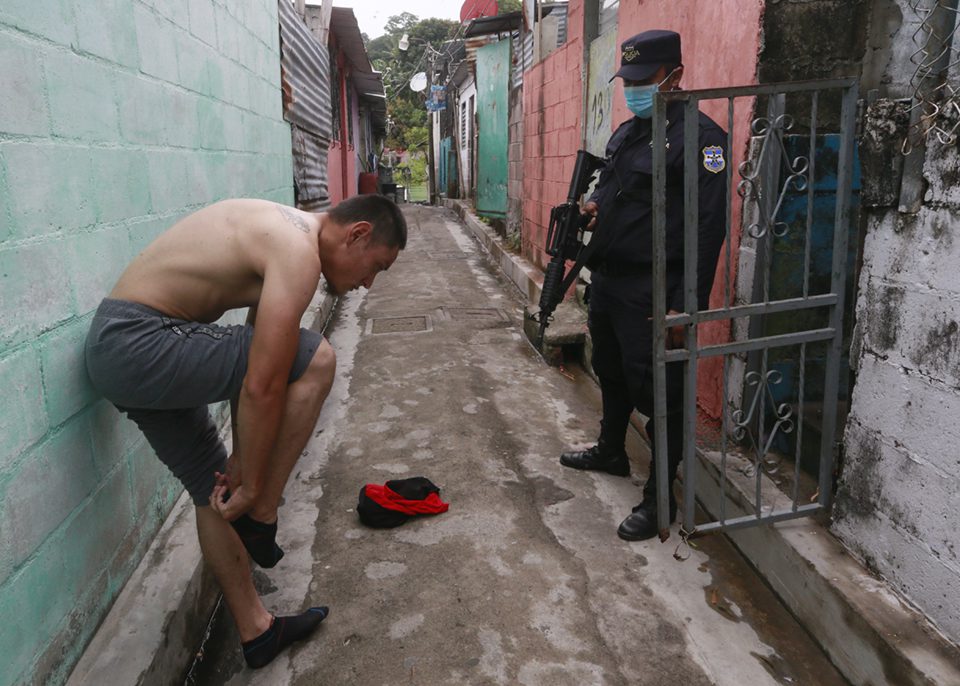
(592, 459)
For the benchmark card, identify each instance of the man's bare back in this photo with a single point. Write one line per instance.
(216, 259)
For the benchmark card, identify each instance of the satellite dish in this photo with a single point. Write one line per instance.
(474, 9)
(418, 82)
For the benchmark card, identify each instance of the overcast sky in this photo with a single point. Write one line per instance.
(373, 14)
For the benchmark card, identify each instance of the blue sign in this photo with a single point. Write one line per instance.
(437, 101)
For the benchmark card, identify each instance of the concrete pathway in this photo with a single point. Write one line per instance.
(524, 580)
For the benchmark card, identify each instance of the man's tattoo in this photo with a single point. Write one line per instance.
(294, 219)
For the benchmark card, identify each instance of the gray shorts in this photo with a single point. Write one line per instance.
(163, 372)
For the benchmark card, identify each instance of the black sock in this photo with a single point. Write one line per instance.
(284, 631)
(259, 539)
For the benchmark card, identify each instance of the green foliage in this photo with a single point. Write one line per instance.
(399, 23)
(507, 6)
(418, 168)
(405, 108)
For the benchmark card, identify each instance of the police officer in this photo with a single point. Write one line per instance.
(621, 291)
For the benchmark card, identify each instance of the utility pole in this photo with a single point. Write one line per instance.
(431, 176)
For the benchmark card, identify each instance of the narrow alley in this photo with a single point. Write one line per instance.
(523, 580)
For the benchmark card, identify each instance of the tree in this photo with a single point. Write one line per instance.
(507, 6)
(399, 23)
(405, 108)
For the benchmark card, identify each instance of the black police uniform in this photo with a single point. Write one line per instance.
(621, 291)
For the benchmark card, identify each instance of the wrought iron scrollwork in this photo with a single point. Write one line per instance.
(744, 420)
(750, 188)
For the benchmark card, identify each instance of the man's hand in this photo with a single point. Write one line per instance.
(233, 476)
(591, 208)
(676, 336)
(231, 506)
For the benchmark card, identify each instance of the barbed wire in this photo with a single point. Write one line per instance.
(935, 112)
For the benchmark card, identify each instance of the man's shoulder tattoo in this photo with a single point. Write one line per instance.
(294, 219)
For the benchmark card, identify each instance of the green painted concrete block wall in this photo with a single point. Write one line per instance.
(117, 117)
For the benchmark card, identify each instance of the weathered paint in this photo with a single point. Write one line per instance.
(493, 79)
(603, 62)
(897, 498)
(125, 116)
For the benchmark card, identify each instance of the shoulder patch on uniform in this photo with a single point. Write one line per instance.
(713, 159)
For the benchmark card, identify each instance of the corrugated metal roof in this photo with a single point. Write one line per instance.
(502, 23)
(367, 82)
(343, 24)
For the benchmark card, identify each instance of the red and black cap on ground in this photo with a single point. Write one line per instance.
(393, 503)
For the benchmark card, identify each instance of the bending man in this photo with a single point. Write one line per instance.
(154, 351)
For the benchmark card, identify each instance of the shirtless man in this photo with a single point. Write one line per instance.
(154, 351)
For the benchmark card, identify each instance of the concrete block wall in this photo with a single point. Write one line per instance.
(897, 499)
(116, 119)
(899, 494)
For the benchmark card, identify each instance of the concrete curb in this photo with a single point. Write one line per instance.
(526, 277)
(869, 632)
(157, 623)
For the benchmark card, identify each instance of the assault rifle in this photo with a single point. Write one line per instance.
(565, 240)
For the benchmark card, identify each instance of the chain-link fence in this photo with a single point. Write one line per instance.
(935, 113)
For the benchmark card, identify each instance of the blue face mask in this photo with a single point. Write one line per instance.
(640, 99)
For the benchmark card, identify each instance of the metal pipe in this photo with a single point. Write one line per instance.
(660, 311)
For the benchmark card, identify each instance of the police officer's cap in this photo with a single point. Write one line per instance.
(643, 54)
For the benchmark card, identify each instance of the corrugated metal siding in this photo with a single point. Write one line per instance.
(310, 154)
(523, 48)
(608, 15)
(305, 75)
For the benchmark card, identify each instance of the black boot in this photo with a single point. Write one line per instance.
(641, 524)
(598, 459)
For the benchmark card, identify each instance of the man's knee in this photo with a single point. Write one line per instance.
(323, 365)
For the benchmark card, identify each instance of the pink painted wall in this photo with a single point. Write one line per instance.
(552, 105)
(721, 43)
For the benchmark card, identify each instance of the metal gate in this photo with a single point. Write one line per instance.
(785, 160)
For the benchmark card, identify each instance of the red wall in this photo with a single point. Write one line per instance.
(552, 105)
(721, 42)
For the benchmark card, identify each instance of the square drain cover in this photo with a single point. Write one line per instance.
(415, 324)
(475, 314)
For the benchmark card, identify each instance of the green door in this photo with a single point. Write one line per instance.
(493, 86)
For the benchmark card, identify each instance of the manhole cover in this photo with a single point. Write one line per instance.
(475, 314)
(447, 255)
(416, 324)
